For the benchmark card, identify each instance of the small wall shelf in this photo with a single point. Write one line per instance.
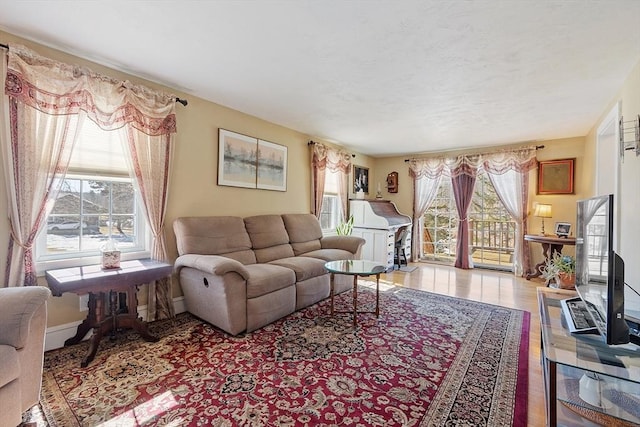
(629, 135)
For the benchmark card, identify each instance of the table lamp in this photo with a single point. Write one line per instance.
(543, 211)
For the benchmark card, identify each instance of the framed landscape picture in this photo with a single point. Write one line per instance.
(272, 166)
(237, 159)
(556, 176)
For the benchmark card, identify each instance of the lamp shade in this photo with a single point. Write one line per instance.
(542, 210)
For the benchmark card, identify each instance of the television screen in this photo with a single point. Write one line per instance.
(599, 270)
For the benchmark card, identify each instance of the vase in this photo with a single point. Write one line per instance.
(566, 280)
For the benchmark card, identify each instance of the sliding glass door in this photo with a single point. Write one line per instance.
(491, 230)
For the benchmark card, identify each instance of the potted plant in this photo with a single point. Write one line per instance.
(562, 269)
(345, 228)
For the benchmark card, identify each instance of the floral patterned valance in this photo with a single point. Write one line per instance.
(520, 160)
(331, 158)
(57, 88)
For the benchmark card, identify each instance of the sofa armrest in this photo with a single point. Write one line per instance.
(347, 243)
(17, 307)
(213, 264)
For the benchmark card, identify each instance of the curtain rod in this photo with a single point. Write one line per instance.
(180, 100)
(538, 147)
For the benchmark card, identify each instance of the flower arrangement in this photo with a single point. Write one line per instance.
(562, 269)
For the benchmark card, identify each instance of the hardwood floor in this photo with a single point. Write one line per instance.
(491, 287)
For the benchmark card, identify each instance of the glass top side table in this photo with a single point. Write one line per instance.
(592, 381)
(355, 268)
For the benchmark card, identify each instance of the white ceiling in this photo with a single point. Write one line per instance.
(383, 77)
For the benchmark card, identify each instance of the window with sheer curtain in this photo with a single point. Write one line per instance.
(330, 171)
(331, 212)
(507, 171)
(97, 202)
(46, 111)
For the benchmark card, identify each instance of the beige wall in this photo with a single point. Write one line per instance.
(563, 207)
(404, 197)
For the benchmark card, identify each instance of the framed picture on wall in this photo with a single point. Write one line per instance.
(272, 166)
(360, 179)
(245, 161)
(237, 159)
(556, 176)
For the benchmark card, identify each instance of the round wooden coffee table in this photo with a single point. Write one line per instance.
(356, 268)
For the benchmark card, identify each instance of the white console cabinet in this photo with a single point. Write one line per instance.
(379, 245)
(377, 221)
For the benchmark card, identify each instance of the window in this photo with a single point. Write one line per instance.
(491, 229)
(441, 225)
(97, 201)
(331, 209)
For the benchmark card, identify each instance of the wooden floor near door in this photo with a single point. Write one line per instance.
(491, 287)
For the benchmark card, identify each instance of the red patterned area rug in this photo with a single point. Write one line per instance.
(428, 360)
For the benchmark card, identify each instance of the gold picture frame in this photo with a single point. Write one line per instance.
(556, 176)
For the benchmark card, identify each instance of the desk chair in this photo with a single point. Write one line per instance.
(399, 247)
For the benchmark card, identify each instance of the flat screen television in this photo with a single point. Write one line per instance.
(600, 270)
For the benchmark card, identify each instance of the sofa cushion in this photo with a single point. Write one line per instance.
(214, 235)
(266, 278)
(9, 368)
(302, 248)
(269, 237)
(304, 267)
(330, 254)
(304, 232)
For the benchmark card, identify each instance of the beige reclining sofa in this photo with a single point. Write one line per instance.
(240, 274)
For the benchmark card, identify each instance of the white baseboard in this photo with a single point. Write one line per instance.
(57, 335)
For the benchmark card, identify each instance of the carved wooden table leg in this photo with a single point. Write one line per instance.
(113, 311)
(135, 321)
(87, 324)
(99, 319)
(548, 251)
(537, 270)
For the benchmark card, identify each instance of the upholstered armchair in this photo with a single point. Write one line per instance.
(23, 321)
